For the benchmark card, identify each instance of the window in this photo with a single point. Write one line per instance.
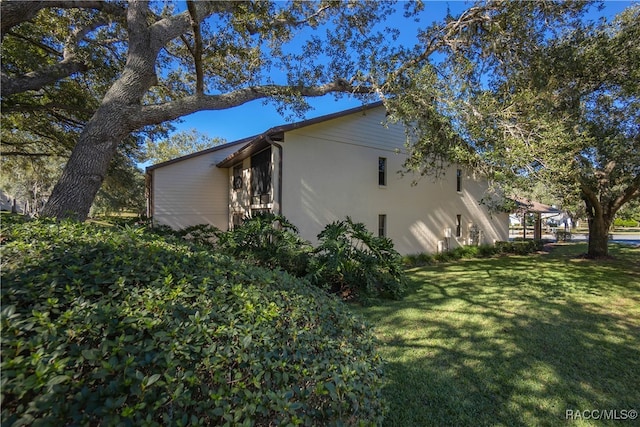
(382, 226)
(237, 177)
(261, 177)
(458, 225)
(382, 171)
(459, 180)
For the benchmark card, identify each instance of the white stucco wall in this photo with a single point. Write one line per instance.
(330, 170)
(192, 191)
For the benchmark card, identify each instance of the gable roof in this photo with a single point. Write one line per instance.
(259, 142)
(253, 144)
(199, 153)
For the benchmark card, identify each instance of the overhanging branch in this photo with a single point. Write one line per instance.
(15, 12)
(154, 114)
(37, 79)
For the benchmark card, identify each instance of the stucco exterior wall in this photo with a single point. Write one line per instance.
(192, 191)
(330, 170)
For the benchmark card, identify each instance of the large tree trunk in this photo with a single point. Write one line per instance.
(600, 215)
(87, 167)
(598, 236)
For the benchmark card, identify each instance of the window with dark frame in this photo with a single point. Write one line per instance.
(458, 225)
(382, 171)
(459, 180)
(382, 226)
(237, 177)
(261, 177)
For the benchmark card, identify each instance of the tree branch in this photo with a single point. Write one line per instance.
(17, 108)
(40, 45)
(15, 12)
(69, 65)
(28, 154)
(154, 114)
(631, 192)
(447, 36)
(197, 47)
(37, 79)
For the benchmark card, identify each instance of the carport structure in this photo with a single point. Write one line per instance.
(525, 207)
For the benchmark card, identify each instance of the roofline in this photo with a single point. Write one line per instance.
(534, 206)
(198, 153)
(289, 127)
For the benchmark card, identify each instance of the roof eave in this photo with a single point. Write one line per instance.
(275, 132)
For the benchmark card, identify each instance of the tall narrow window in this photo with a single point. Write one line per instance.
(458, 225)
(237, 177)
(382, 171)
(261, 177)
(382, 226)
(459, 180)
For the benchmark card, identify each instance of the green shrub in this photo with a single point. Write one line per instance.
(416, 260)
(465, 252)
(519, 246)
(350, 261)
(268, 240)
(619, 222)
(486, 251)
(444, 256)
(105, 326)
(563, 236)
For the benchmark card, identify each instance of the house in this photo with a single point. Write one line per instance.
(321, 170)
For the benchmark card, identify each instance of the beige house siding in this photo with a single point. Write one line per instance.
(192, 191)
(330, 170)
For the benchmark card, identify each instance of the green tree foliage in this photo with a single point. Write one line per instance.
(30, 179)
(148, 63)
(45, 124)
(178, 144)
(112, 326)
(531, 94)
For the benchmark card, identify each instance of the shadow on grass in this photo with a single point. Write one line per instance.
(513, 341)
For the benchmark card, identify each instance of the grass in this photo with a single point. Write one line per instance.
(513, 340)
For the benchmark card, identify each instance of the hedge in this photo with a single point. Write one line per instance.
(107, 326)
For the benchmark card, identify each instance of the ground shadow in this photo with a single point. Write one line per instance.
(495, 343)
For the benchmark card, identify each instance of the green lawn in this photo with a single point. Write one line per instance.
(514, 340)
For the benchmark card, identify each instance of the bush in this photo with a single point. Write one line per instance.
(619, 222)
(486, 251)
(268, 240)
(104, 326)
(416, 260)
(563, 236)
(352, 262)
(519, 247)
(201, 234)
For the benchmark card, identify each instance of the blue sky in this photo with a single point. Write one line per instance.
(256, 117)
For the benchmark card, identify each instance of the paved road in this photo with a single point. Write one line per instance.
(626, 238)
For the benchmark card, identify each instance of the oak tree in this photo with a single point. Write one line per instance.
(165, 63)
(525, 101)
(147, 63)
